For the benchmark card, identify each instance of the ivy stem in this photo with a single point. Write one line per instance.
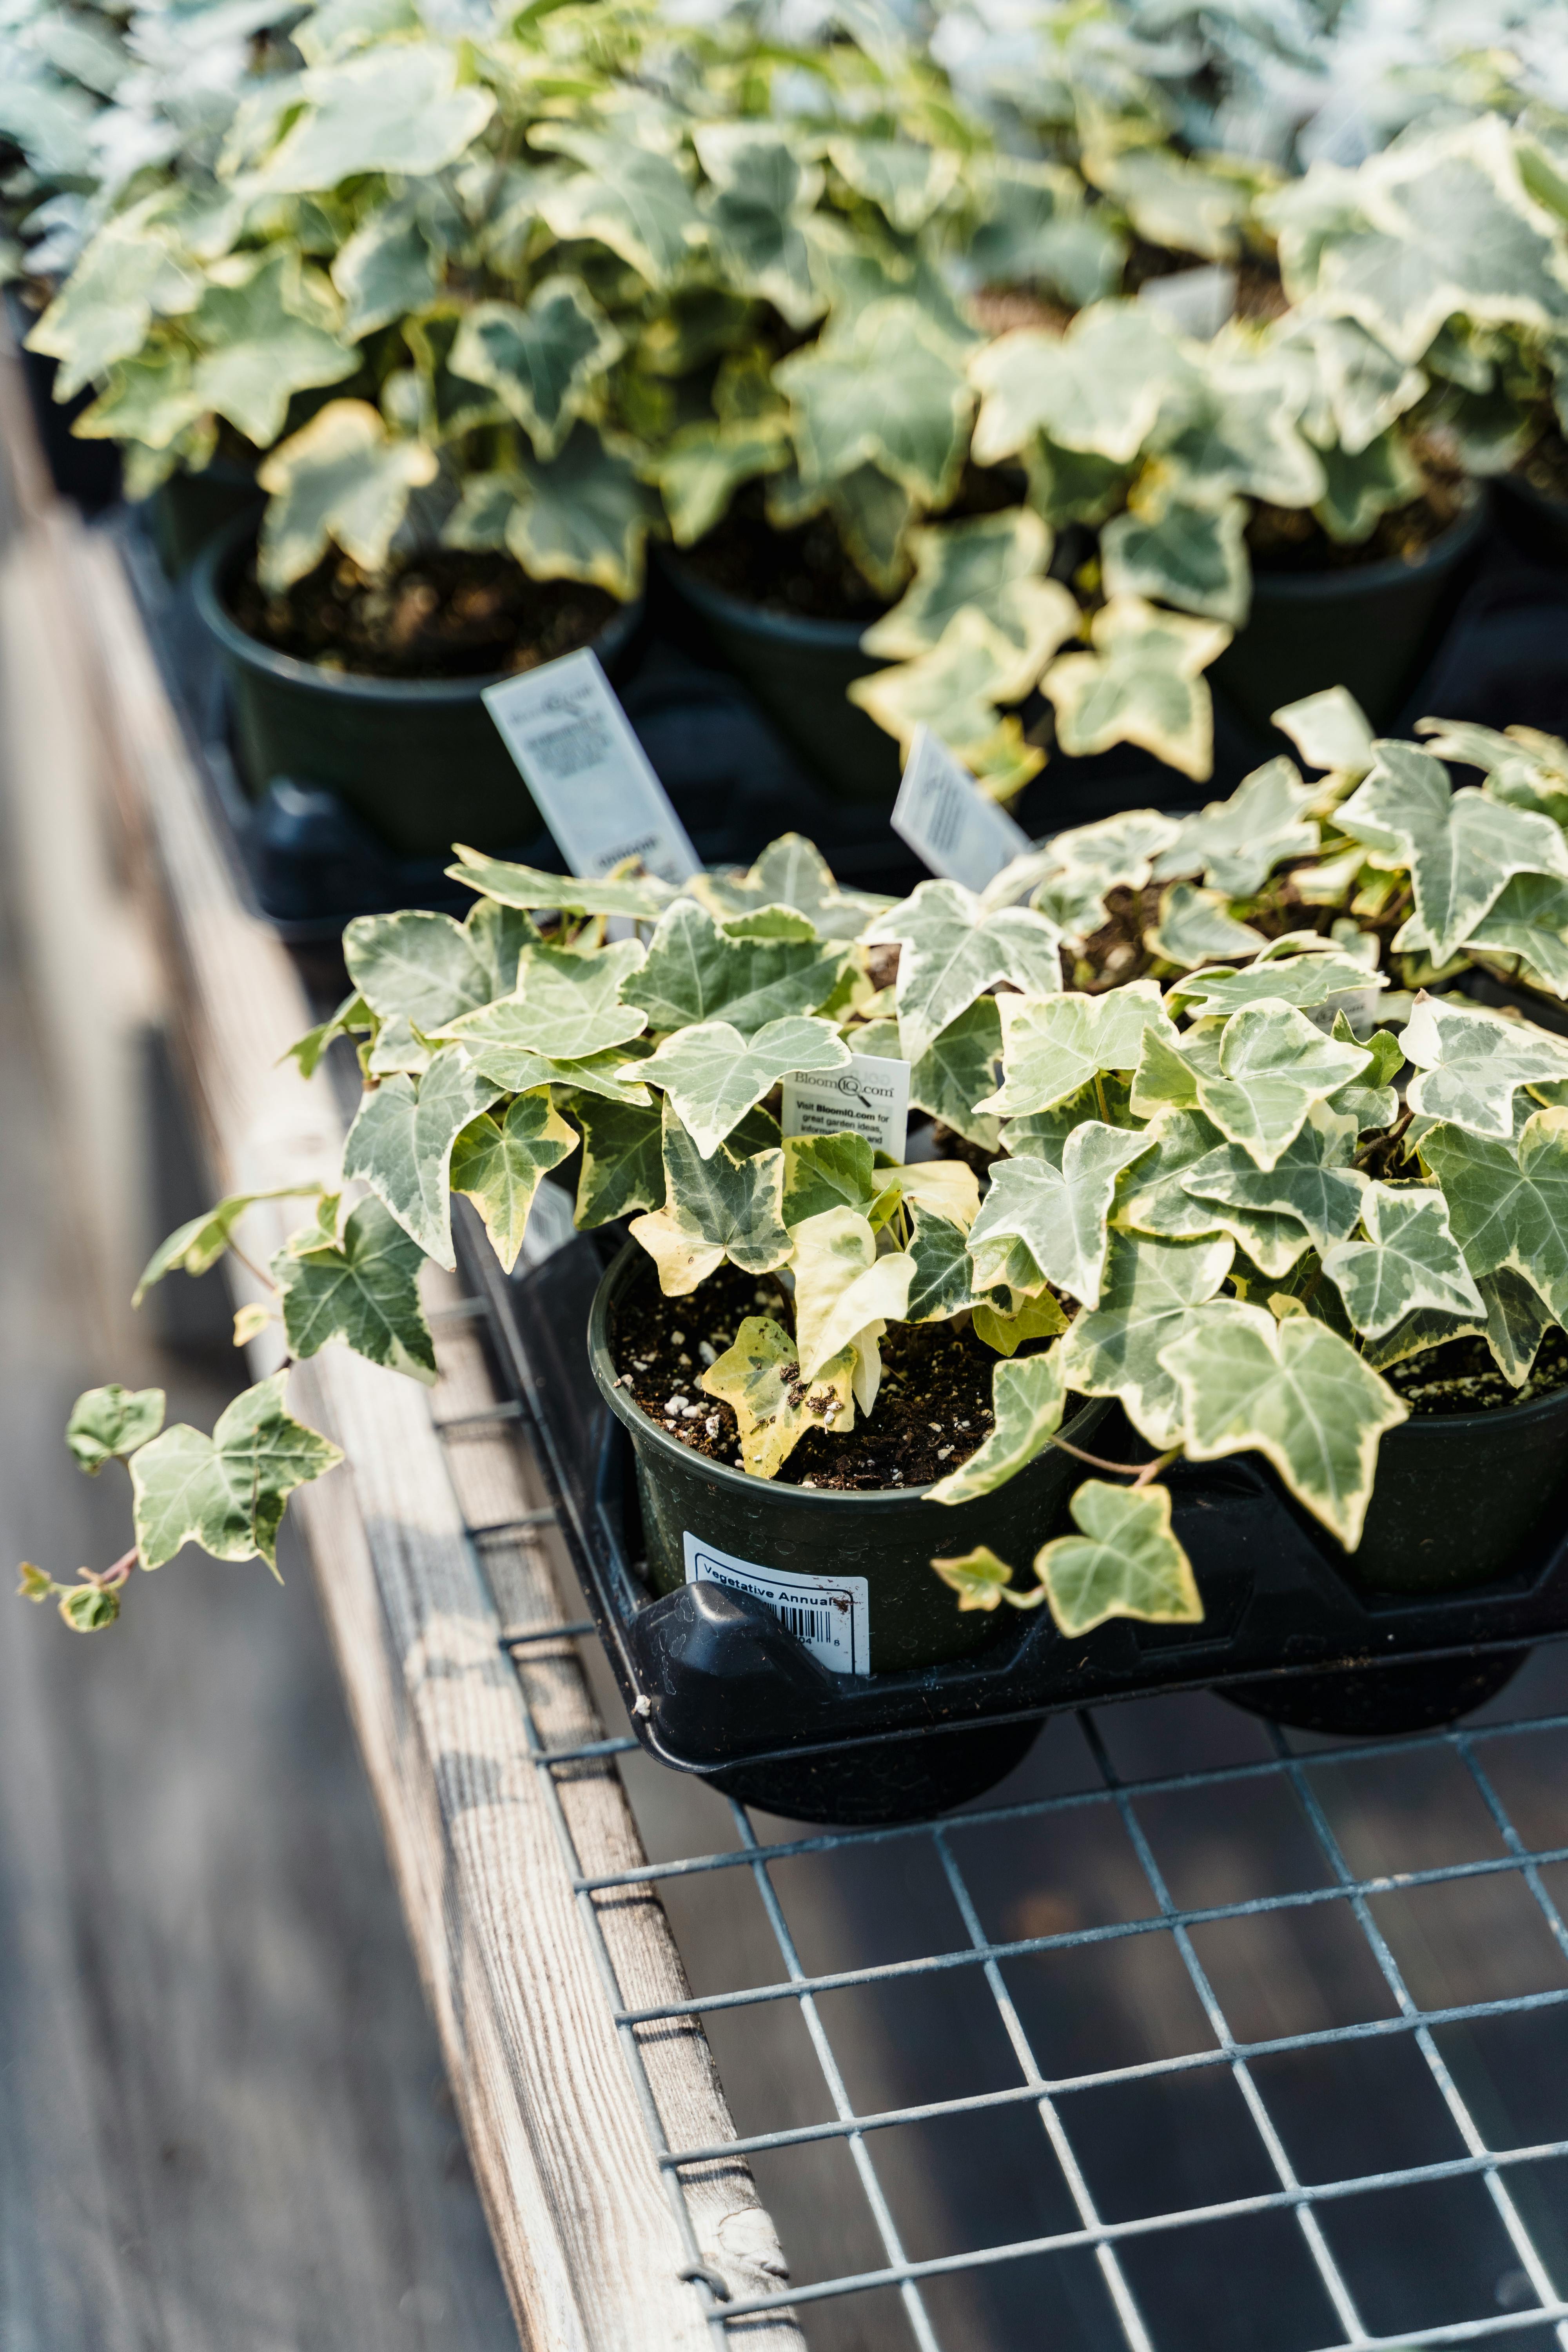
(1139, 1473)
(252, 1268)
(108, 1578)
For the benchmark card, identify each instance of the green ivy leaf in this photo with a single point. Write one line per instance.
(1188, 552)
(1039, 1317)
(1235, 431)
(1359, 490)
(828, 1172)
(399, 109)
(626, 195)
(759, 1378)
(1097, 389)
(1155, 1199)
(1472, 1064)
(957, 1069)
(1310, 1181)
(642, 898)
(128, 273)
(260, 341)
(1124, 1562)
(340, 477)
(1037, 230)
(1174, 203)
(109, 1423)
(420, 967)
(1236, 844)
(702, 466)
(401, 1144)
(364, 1291)
(196, 1245)
(1194, 926)
(1052, 1046)
(584, 514)
(713, 1076)
(1150, 1297)
(1528, 919)
(888, 393)
(353, 1014)
(500, 1164)
(1047, 1222)
(226, 1492)
(566, 1006)
(762, 193)
(792, 872)
(623, 1159)
(1408, 1262)
(938, 1287)
(954, 690)
(1517, 1319)
(1330, 729)
(1028, 1396)
(1370, 1100)
(1273, 1066)
(697, 971)
(541, 360)
(1142, 684)
(717, 1206)
(1303, 980)
(954, 949)
(1509, 1208)
(386, 270)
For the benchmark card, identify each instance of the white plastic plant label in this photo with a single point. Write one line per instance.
(587, 771)
(831, 1614)
(871, 1097)
(948, 821)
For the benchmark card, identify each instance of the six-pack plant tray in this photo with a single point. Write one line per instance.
(718, 1686)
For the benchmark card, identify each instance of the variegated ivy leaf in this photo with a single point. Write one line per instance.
(792, 872)
(702, 466)
(954, 691)
(1236, 844)
(515, 1069)
(1150, 1293)
(1523, 767)
(697, 971)
(1360, 489)
(625, 194)
(1507, 1207)
(1370, 1100)
(261, 339)
(994, 564)
(759, 1378)
(1460, 847)
(128, 274)
(1187, 551)
(1517, 1319)
(846, 1296)
(401, 1144)
(199, 1245)
(622, 1167)
(565, 1006)
(499, 1166)
(1037, 230)
(1080, 867)
(540, 361)
(1273, 1066)
(583, 514)
(499, 935)
(954, 949)
(387, 268)
(1361, 388)
(1098, 388)
(1234, 430)
(1175, 203)
(886, 394)
(907, 182)
(982, 1580)
(950, 1188)
(401, 107)
(419, 967)
(1143, 684)
(1043, 1134)
(1472, 1064)
(1330, 731)
(713, 1074)
(643, 899)
(1040, 1317)
(1293, 1392)
(108, 1423)
(1316, 976)
(1124, 1562)
(717, 1206)
(1196, 926)
(362, 1290)
(957, 1069)
(1054, 1045)
(1153, 1200)
(1312, 1180)
(873, 513)
(340, 477)
(1027, 1395)
(396, 1046)
(1409, 1261)
(226, 1492)
(762, 193)
(1043, 1222)
(1529, 920)
(828, 1171)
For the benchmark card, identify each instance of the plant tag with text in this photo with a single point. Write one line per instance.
(948, 821)
(871, 1097)
(585, 768)
(831, 1614)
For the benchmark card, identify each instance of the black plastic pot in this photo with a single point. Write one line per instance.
(87, 471)
(888, 1538)
(799, 671)
(1369, 628)
(1535, 523)
(191, 511)
(420, 760)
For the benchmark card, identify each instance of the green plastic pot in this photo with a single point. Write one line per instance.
(889, 1538)
(420, 760)
(1461, 1497)
(190, 510)
(799, 670)
(1369, 628)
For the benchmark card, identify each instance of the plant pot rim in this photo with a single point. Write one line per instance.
(1452, 541)
(740, 611)
(631, 1416)
(1538, 1409)
(209, 575)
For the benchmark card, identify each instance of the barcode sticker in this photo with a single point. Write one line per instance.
(585, 768)
(948, 821)
(831, 1614)
(871, 1097)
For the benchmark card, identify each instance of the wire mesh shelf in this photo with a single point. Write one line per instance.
(1198, 2033)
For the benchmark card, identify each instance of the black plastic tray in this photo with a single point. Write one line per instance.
(716, 1686)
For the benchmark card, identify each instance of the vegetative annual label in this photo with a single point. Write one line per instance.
(871, 1097)
(831, 1614)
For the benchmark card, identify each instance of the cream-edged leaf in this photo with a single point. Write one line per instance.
(1508, 1207)
(1123, 1562)
(623, 1158)
(565, 1006)
(955, 950)
(401, 1144)
(362, 1290)
(828, 1171)
(1027, 1397)
(500, 1164)
(1303, 980)
(982, 1580)
(1054, 1045)
(957, 1068)
(1194, 926)
(759, 1378)
(643, 898)
(1153, 1198)
(888, 393)
(111, 1423)
(422, 967)
(226, 1492)
(713, 1076)
(340, 478)
(1273, 1066)
(1149, 1297)
(1098, 388)
(698, 971)
(1234, 844)
(1471, 1065)
(719, 1202)
(1310, 1181)
(1040, 1317)
(1055, 1215)
(1142, 684)
(1409, 1260)
(201, 1240)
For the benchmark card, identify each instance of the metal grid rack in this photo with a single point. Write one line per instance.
(1344, 2253)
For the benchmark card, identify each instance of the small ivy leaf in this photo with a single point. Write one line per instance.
(683, 1258)
(1310, 1181)
(1143, 684)
(1238, 431)
(88, 1608)
(1037, 228)
(948, 1188)
(499, 935)
(1098, 388)
(401, 1144)
(1044, 1134)
(111, 1423)
(251, 1321)
(623, 1159)
(886, 394)
(955, 689)
(1509, 1207)
(702, 466)
(828, 1172)
(938, 1287)
(416, 967)
(363, 1291)
(1054, 1045)
(341, 479)
(955, 950)
(957, 1069)
(352, 1015)
(566, 1007)
(541, 360)
(1124, 1562)
(697, 971)
(983, 1581)
(260, 339)
(1040, 1317)
(1236, 844)
(1273, 1066)
(760, 1378)
(643, 899)
(1523, 767)
(1304, 981)
(625, 194)
(1196, 926)
(386, 270)
(517, 1069)
(1371, 1100)
(501, 1165)
(1151, 1293)
(762, 192)
(713, 1076)
(989, 563)
(792, 872)
(583, 514)
(842, 1287)
(226, 1492)
(1332, 731)
(196, 1247)
(1517, 1319)
(715, 1204)
(1155, 1202)
(905, 180)
(400, 108)
(1055, 1215)
(1293, 1392)
(1359, 488)
(1472, 1064)
(1528, 919)
(34, 1585)
(1409, 1260)
(1186, 552)
(1027, 1397)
